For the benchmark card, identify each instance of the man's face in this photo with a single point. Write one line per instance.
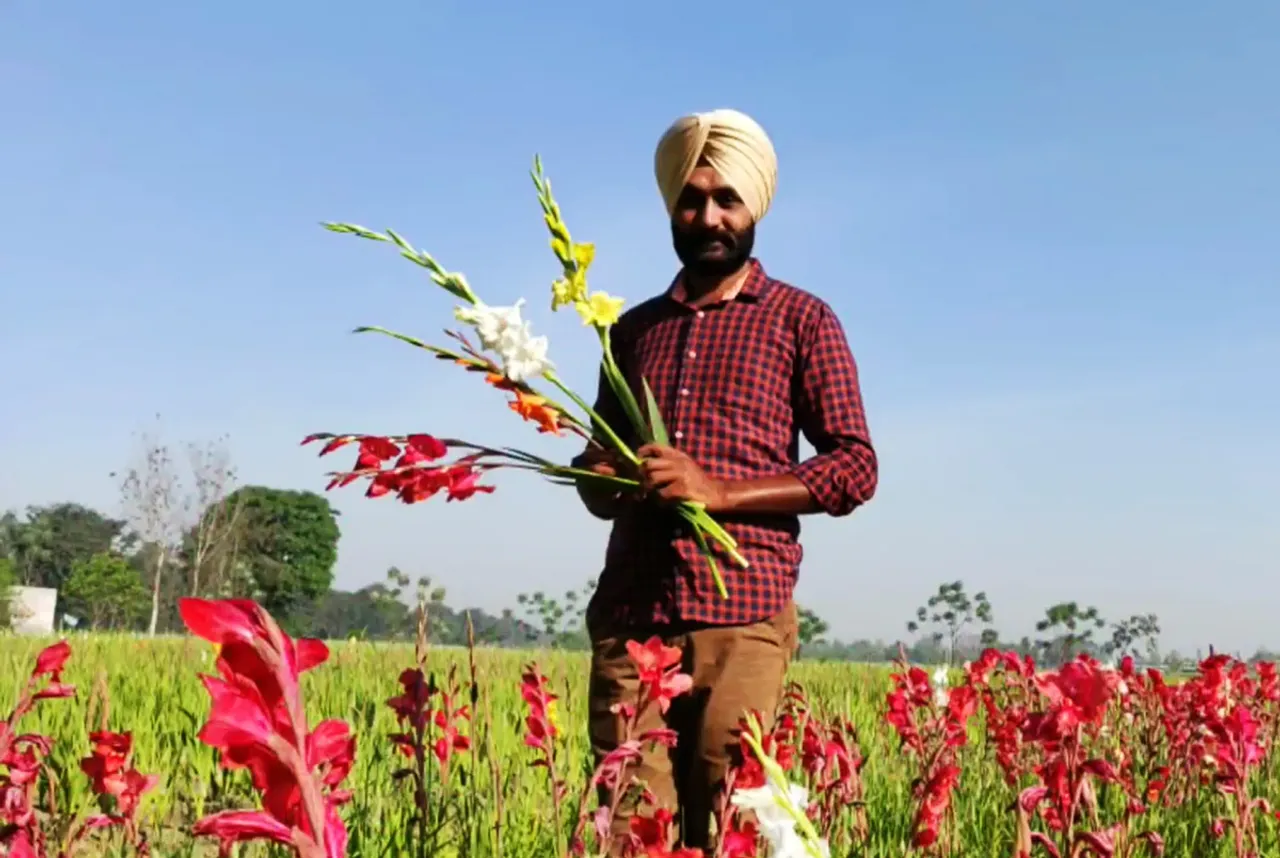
(711, 229)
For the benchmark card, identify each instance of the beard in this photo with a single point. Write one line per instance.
(712, 252)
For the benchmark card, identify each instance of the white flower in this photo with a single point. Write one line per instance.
(940, 685)
(526, 359)
(491, 323)
(777, 825)
(502, 331)
(767, 803)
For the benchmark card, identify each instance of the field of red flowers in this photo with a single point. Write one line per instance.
(255, 741)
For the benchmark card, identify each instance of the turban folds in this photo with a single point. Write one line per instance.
(735, 146)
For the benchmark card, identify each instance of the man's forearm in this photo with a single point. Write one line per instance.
(783, 494)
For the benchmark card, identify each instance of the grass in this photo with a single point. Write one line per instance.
(152, 689)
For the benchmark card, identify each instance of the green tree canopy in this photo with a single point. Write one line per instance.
(8, 578)
(812, 628)
(287, 545)
(105, 592)
(51, 540)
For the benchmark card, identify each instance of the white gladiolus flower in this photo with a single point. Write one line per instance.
(941, 694)
(491, 323)
(526, 359)
(777, 826)
(502, 331)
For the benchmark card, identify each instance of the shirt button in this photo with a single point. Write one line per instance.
(692, 355)
(684, 391)
(702, 314)
(679, 435)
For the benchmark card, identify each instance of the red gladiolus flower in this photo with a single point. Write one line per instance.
(257, 721)
(110, 772)
(51, 661)
(660, 679)
(235, 826)
(463, 483)
(741, 841)
(22, 756)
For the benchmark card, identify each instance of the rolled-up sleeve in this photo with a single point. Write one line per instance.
(843, 473)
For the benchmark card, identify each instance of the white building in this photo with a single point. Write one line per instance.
(32, 609)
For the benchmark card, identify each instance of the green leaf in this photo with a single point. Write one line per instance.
(656, 425)
(711, 562)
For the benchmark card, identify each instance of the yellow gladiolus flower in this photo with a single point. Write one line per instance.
(600, 309)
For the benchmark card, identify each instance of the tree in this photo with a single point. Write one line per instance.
(1068, 628)
(8, 579)
(1126, 635)
(563, 623)
(949, 612)
(106, 593)
(812, 628)
(50, 540)
(287, 544)
(210, 545)
(152, 498)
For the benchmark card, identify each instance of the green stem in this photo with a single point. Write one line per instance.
(620, 387)
(711, 562)
(596, 418)
(698, 517)
(577, 472)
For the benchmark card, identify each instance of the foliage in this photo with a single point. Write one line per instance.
(1067, 629)
(563, 624)
(47, 541)
(287, 546)
(8, 579)
(105, 592)
(812, 628)
(949, 612)
(1127, 635)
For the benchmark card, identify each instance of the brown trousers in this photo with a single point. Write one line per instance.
(734, 668)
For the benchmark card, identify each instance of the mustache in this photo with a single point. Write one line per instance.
(701, 238)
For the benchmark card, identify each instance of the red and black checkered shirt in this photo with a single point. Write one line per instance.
(737, 383)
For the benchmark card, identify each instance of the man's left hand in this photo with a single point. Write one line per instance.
(670, 475)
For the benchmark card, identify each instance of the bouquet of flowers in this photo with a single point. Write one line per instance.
(415, 467)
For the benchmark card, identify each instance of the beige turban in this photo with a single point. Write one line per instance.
(733, 144)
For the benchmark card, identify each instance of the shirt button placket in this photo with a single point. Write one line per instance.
(686, 370)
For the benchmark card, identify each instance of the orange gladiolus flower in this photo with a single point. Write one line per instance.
(535, 410)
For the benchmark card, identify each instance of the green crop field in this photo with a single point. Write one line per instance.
(495, 802)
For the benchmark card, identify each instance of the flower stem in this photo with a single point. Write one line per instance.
(596, 418)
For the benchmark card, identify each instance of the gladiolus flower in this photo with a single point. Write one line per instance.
(502, 331)
(535, 410)
(657, 665)
(51, 661)
(257, 721)
(600, 310)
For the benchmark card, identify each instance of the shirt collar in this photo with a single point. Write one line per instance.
(754, 285)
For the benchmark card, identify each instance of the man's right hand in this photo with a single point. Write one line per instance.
(601, 499)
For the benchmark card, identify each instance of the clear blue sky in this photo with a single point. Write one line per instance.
(1052, 232)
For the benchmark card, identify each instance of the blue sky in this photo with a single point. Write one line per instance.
(1049, 229)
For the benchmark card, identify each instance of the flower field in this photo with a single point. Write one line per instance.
(995, 759)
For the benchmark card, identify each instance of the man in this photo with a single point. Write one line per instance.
(740, 364)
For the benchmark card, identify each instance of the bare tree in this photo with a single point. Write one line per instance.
(181, 520)
(212, 539)
(151, 495)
